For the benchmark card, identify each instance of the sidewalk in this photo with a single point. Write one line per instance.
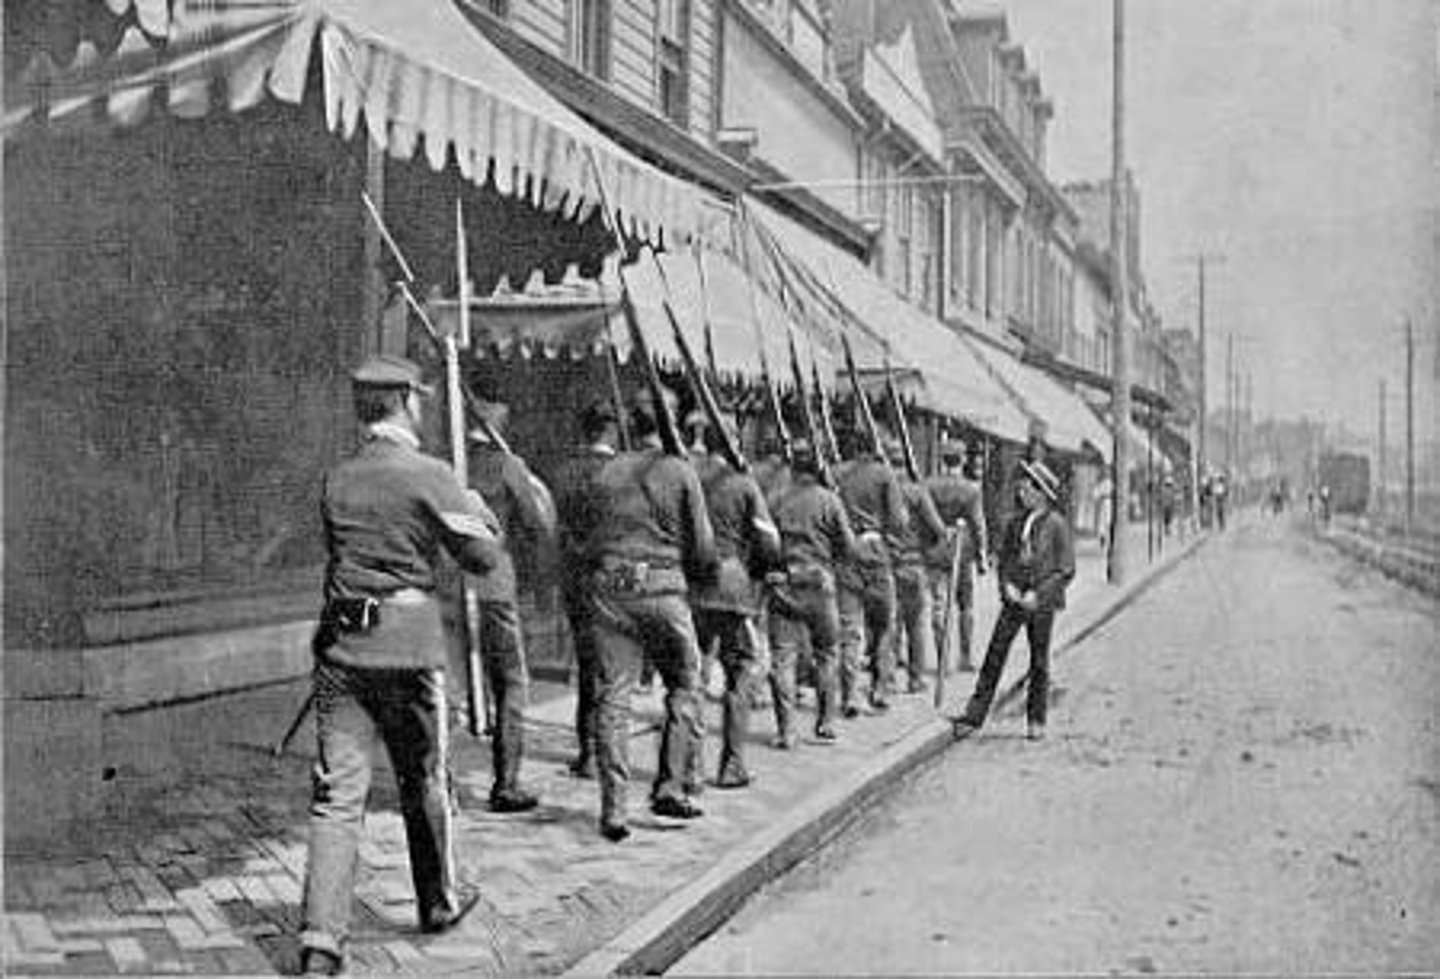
(201, 872)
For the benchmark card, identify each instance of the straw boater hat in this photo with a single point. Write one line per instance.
(1042, 479)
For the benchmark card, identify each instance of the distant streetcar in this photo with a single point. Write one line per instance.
(1348, 476)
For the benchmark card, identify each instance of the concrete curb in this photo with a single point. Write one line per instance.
(1410, 568)
(659, 938)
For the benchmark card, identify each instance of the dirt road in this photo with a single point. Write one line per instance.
(1243, 775)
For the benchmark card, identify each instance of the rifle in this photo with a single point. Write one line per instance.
(665, 422)
(862, 404)
(712, 370)
(772, 396)
(901, 425)
(457, 395)
(807, 416)
(703, 394)
(827, 421)
(947, 619)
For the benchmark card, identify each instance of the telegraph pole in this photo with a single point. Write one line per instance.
(1409, 427)
(1230, 406)
(1380, 461)
(1119, 297)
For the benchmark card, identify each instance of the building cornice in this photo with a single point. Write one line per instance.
(640, 130)
(987, 121)
(831, 98)
(1066, 371)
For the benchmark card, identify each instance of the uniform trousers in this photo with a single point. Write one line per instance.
(1038, 627)
(629, 628)
(581, 613)
(915, 627)
(867, 617)
(797, 610)
(496, 624)
(737, 639)
(406, 709)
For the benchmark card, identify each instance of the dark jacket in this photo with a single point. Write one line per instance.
(924, 529)
(577, 514)
(1044, 562)
(527, 515)
(746, 540)
(815, 532)
(958, 500)
(388, 513)
(875, 505)
(650, 510)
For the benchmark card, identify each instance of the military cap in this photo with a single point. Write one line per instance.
(952, 449)
(389, 371)
(1042, 478)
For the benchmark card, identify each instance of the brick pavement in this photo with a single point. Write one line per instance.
(203, 873)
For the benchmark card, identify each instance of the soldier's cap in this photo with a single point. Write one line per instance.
(598, 413)
(495, 413)
(644, 408)
(802, 453)
(1042, 478)
(697, 418)
(390, 371)
(952, 449)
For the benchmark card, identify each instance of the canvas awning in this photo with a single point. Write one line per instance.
(417, 72)
(940, 373)
(1069, 423)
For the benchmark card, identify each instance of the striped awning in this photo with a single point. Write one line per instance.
(414, 73)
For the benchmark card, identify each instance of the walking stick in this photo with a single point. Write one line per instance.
(947, 620)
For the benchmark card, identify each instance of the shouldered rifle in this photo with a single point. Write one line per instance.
(706, 397)
(827, 421)
(772, 395)
(862, 404)
(665, 422)
(807, 415)
(902, 427)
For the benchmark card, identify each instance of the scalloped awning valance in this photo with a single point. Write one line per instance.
(417, 73)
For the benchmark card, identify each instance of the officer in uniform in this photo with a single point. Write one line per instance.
(876, 508)
(600, 437)
(1036, 564)
(815, 538)
(958, 500)
(380, 655)
(527, 516)
(912, 587)
(652, 539)
(726, 609)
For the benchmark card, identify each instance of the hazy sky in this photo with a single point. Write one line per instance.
(1293, 136)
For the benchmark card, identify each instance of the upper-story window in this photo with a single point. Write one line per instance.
(673, 59)
(589, 24)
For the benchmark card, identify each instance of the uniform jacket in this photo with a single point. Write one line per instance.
(576, 512)
(815, 531)
(746, 540)
(958, 500)
(1042, 561)
(650, 510)
(527, 515)
(924, 529)
(875, 505)
(388, 513)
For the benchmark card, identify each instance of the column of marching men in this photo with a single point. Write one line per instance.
(666, 562)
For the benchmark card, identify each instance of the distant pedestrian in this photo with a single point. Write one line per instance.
(1036, 564)
(380, 656)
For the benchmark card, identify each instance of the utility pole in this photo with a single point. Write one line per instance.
(1380, 461)
(1409, 428)
(1230, 406)
(1119, 296)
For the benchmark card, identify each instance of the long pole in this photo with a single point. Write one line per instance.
(1409, 428)
(1380, 460)
(1230, 406)
(1201, 462)
(1119, 293)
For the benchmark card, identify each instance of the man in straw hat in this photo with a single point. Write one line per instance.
(380, 656)
(1036, 563)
